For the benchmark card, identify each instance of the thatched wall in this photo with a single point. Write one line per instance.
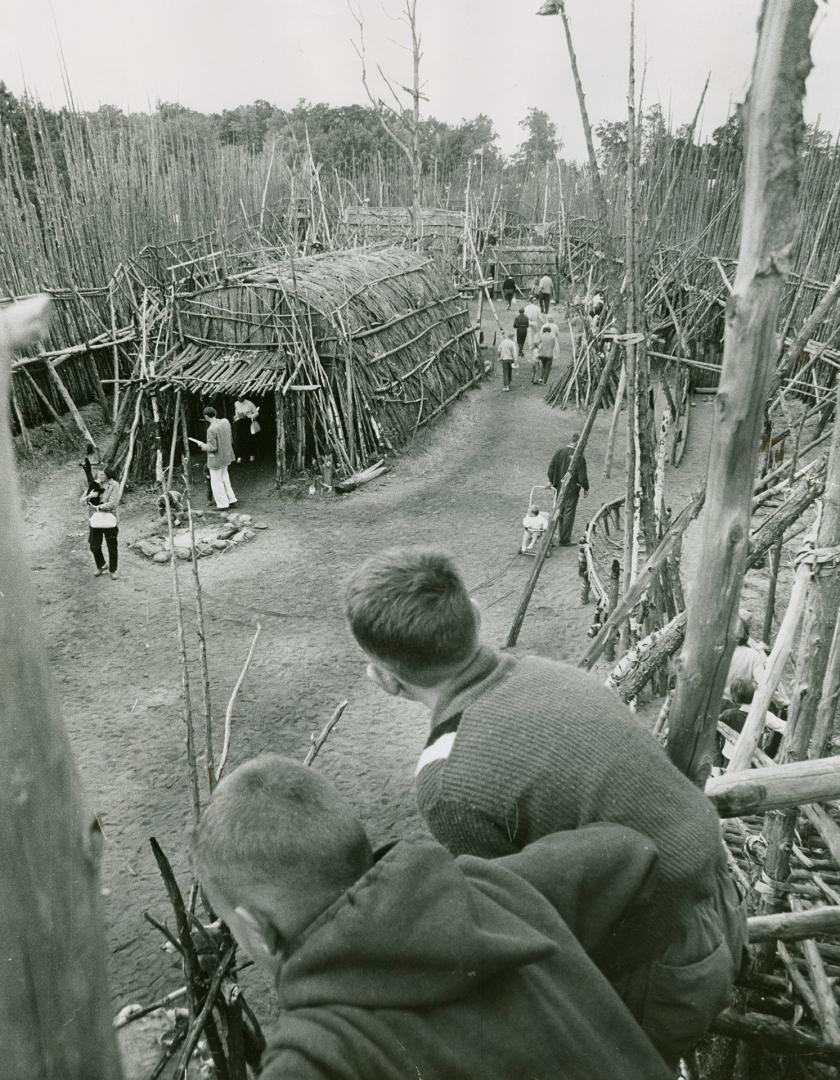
(360, 348)
(526, 263)
(441, 231)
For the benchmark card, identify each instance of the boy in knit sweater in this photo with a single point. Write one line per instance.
(523, 748)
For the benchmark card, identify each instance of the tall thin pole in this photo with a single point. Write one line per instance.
(772, 174)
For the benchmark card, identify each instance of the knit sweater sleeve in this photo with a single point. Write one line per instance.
(466, 829)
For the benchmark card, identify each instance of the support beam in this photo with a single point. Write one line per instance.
(545, 543)
(794, 926)
(772, 172)
(69, 402)
(775, 787)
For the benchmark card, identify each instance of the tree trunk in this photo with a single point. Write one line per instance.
(772, 170)
(55, 1009)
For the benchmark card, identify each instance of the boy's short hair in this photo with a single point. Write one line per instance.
(742, 691)
(209, 410)
(409, 608)
(273, 824)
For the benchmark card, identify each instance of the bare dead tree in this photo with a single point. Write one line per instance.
(772, 169)
(401, 124)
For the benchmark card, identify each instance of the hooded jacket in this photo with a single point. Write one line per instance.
(435, 968)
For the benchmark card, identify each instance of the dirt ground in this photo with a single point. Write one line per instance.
(462, 486)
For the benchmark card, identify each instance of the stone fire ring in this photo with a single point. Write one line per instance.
(211, 537)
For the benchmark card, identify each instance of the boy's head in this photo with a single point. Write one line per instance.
(410, 612)
(533, 510)
(742, 691)
(275, 846)
(210, 412)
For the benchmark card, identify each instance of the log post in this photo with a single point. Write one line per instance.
(815, 641)
(115, 356)
(770, 609)
(45, 401)
(69, 402)
(775, 787)
(772, 170)
(583, 571)
(279, 439)
(612, 601)
(545, 543)
(55, 1009)
(753, 727)
(828, 714)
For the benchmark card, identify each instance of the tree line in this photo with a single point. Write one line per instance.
(339, 137)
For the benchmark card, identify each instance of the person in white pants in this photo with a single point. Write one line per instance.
(219, 448)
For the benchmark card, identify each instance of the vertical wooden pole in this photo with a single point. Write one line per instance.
(279, 439)
(631, 459)
(55, 1009)
(300, 457)
(545, 543)
(770, 610)
(115, 352)
(612, 600)
(24, 433)
(772, 172)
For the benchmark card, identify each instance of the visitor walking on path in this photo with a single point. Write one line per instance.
(521, 325)
(509, 289)
(102, 520)
(545, 293)
(219, 449)
(545, 351)
(534, 320)
(507, 358)
(557, 469)
(497, 951)
(521, 749)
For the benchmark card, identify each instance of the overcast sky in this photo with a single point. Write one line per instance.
(485, 56)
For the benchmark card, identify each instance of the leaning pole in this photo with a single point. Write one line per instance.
(773, 130)
(55, 1010)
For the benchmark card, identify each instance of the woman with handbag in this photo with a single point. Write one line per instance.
(103, 521)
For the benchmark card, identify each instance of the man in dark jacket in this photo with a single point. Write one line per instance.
(521, 326)
(521, 748)
(557, 469)
(418, 964)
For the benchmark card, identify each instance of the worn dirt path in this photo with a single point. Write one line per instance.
(463, 486)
